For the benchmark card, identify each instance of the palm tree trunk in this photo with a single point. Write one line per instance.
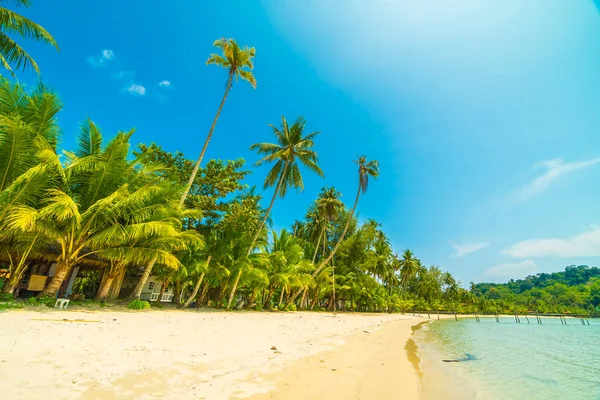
(234, 288)
(137, 292)
(194, 293)
(318, 244)
(281, 296)
(303, 297)
(202, 296)
(330, 256)
(102, 293)
(208, 137)
(62, 270)
(264, 221)
(177, 294)
(262, 224)
(163, 289)
(197, 287)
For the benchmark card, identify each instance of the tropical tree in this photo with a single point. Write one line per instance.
(366, 169)
(12, 23)
(292, 147)
(409, 267)
(328, 208)
(235, 59)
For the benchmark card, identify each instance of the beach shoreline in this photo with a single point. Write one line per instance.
(206, 355)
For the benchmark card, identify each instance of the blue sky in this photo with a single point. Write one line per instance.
(483, 114)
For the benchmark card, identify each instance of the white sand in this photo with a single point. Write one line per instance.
(197, 355)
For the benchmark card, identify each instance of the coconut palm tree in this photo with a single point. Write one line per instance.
(409, 267)
(235, 59)
(292, 148)
(366, 169)
(329, 206)
(12, 23)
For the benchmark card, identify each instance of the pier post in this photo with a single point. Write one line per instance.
(455, 317)
(438, 315)
(527, 318)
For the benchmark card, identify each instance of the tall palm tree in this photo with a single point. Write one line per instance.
(409, 267)
(235, 59)
(366, 169)
(292, 147)
(329, 206)
(12, 23)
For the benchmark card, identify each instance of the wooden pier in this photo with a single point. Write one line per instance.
(583, 319)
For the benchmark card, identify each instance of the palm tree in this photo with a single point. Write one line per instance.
(329, 206)
(234, 58)
(366, 169)
(292, 146)
(12, 23)
(409, 267)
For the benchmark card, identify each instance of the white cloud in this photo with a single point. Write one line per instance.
(105, 57)
(467, 248)
(586, 244)
(136, 89)
(554, 169)
(164, 84)
(123, 74)
(511, 270)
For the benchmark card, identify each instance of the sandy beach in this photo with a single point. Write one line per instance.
(205, 355)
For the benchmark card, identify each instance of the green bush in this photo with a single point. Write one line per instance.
(138, 305)
(156, 305)
(291, 307)
(258, 307)
(42, 301)
(6, 297)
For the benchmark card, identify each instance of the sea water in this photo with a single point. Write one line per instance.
(508, 360)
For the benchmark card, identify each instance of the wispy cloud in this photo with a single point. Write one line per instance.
(123, 74)
(554, 169)
(164, 84)
(106, 57)
(136, 89)
(586, 244)
(461, 250)
(511, 270)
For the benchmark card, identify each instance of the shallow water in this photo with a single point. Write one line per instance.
(510, 360)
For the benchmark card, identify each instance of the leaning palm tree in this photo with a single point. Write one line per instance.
(234, 58)
(366, 169)
(292, 147)
(12, 23)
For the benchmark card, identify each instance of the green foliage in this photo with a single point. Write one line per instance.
(42, 301)
(574, 290)
(138, 305)
(17, 25)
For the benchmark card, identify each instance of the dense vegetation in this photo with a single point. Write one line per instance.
(576, 290)
(110, 208)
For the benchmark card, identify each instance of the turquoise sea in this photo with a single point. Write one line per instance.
(507, 360)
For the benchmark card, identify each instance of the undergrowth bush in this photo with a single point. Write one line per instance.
(138, 305)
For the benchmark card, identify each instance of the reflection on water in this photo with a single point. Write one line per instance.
(510, 361)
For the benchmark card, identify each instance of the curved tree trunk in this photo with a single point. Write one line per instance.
(137, 292)
(234, 288)
(303, 297)
(197, 287)
(206, 142)
(330, 256)
(163, 288)
(102, 293)
(317, 246)
(262, 224)
(281, 296)
(194, 292)
(202, 296)
(62, 270)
